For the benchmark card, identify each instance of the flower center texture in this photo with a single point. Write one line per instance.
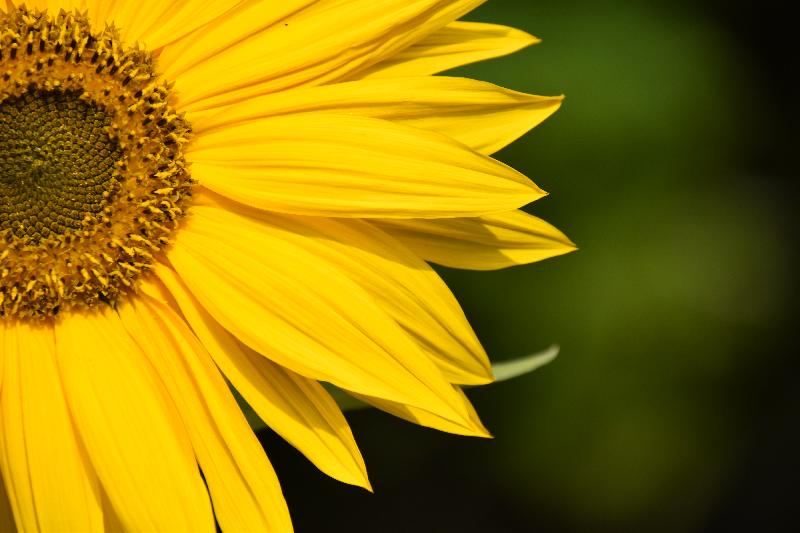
(93, 178)
(48, 181)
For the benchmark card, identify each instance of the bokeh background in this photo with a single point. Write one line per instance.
(673, 405)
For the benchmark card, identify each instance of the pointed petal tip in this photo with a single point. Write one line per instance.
(563, 248)
(480, 381)
(555, 101)
(477, 429)
(536, 193)
(357, 478)
(567, 245)
(478, 375)
(465, 427)
(561, 244)
(556, 98)
(486, 435)
(531, 193)
(522, 36)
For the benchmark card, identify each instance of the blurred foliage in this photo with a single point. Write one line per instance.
(661, 315)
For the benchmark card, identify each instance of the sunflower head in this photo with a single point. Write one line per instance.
(328, 169)
(93, 175)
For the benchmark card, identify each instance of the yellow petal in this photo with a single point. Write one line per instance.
(431, 420)
(244, 488)
(485, 243)
(295, 308)
(53, 6)
(154, 23)
(2, 351)
(111, 522)
(347, 166)
(6, 514)
(483, 116)
(297, 408)
(246, 22)
(133, 436)
(459, 43)
(403, 285)
(51, 485)
(157, 23)
(268, 46)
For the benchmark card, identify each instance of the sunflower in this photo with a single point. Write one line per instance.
(200, 196)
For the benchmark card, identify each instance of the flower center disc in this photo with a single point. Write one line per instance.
(93, 178)
(56, 164)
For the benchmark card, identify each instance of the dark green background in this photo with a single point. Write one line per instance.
(672, 405)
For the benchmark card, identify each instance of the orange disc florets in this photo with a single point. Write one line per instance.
(93, 177)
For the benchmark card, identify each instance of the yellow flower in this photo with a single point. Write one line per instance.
(196, 193)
